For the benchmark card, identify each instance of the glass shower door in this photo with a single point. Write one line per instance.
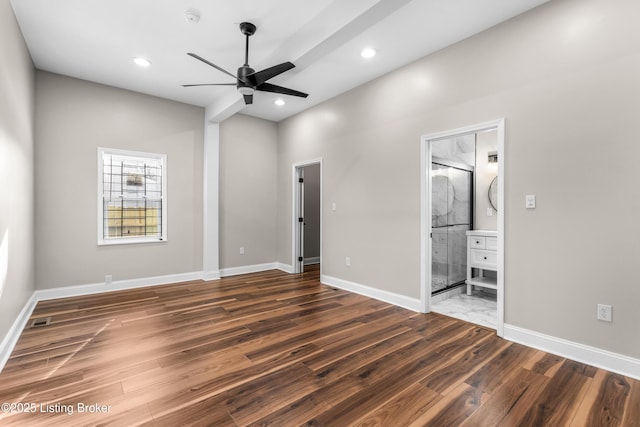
(451, 217)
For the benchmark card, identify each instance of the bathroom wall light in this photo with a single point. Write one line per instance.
(492, 157)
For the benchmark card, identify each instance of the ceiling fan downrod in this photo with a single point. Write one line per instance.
(248, 29)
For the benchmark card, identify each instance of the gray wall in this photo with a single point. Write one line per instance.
(565, 76)
(248, 191)
(312, 211)
(74, 117)
(17, 88)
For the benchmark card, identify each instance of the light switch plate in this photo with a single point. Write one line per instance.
(530, 201)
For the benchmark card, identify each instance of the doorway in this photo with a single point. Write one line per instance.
(447, 218)
(307, 215)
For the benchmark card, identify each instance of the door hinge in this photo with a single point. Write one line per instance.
(300, 179)
(300, 219)
(300, 259)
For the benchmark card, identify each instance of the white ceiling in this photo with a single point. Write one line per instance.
(96, 40)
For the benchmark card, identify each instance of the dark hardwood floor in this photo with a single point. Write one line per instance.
(283, 350)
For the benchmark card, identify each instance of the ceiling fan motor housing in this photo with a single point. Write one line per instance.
(243, 80)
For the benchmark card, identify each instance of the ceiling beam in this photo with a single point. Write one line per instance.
(337, 24)
(224, 107)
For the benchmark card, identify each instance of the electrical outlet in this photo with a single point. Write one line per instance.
(241, 250)
(347, 261)
(489, 211)
(108, 279)
(605, 312)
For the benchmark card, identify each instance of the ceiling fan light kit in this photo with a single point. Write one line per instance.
(246, 90)
(247, 79)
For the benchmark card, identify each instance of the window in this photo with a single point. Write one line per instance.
(131, 197)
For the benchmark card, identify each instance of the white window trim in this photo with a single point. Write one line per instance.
(130, 240)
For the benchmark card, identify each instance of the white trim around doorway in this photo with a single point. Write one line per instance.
(425, 208)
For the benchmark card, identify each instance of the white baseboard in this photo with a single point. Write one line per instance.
(593, 356)
(12, 336)
(284, 267)
(256, 268)
(312, 260)
(246, 269)
(386, 296)
(211, 275)
(117, 285)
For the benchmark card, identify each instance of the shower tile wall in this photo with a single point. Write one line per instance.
(460, 149)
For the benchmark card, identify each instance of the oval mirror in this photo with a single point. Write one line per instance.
(493, 194)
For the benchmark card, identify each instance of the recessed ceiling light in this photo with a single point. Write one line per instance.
(142, 62)
(368, 52)
(279, 102)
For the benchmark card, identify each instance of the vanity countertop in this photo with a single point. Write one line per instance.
(485, 233)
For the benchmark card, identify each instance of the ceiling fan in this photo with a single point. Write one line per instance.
(247, 79)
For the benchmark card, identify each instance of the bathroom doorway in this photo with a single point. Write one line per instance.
(461, 168)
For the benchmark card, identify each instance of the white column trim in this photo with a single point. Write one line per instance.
(210, 216)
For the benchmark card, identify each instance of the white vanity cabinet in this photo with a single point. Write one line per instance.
(482, 254)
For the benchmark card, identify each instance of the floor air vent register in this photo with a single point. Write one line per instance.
(43, 321)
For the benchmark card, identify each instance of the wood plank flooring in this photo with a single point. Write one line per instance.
(283, 350)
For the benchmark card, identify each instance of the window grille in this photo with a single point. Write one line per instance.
(131, 197)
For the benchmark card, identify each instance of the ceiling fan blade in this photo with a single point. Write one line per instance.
(193, 55)
(248, 99)
(211, 84)
(260, 77)
(268, 87)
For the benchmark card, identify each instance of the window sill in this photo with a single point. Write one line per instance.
(129, 241)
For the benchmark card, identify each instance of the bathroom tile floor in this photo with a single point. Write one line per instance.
(479, 308)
